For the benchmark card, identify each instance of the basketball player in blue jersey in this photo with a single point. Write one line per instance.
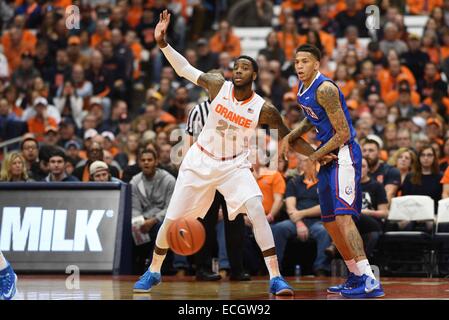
(339, 186)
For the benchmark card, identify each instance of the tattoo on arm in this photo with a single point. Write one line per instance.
(270, 115)
(212, 82)
(328, 98)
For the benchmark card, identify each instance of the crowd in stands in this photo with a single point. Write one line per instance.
(87, 100)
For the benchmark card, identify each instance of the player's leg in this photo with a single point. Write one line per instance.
(347, 195)
(265, 241)
(8, 279)
(192, 196)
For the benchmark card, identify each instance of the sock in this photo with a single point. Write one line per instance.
(352, 266)
(365, 268)
(3, 263)
(156, 263)
(272, 266)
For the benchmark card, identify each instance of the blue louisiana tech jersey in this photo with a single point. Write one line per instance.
(316, 113)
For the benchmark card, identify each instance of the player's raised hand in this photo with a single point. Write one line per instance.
(161, 28)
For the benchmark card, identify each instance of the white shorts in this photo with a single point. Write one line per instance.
(200, 176)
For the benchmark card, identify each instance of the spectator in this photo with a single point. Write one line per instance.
(72, 149)
(273, 50)
(10, 125)
(129, 155)
(74, 52)
(380, 171)
(431, 82)
(374, 209)
(41, 120)
(165, 160)
(368, 83)
(415, 59)
(14, 168)
(207, 60)
(380, 115)
(426, 181)
(69, 104)
(94, 153)
(404, 159)
(56, 163)
(303, 208)
(151, 193)
(251, 13)
(99, 172)
(391, 40)
(51, 136)
(405, 104)
(225, 40)
(351, 17)
(24, 75)
(30, 152)
(404, 138)
(288, 38)
(444, 159)
(327, 39)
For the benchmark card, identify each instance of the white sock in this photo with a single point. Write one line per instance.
(352, 266)
(365, 268)
(272, 266)
(3, 263)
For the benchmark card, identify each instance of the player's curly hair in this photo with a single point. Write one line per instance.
(311, 49)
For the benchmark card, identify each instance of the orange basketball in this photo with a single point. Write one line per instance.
(186, 236)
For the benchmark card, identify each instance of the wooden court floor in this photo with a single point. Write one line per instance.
(103, 287)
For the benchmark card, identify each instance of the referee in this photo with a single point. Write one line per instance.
(234, 230)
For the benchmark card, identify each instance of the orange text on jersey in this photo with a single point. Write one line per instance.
(231, 116)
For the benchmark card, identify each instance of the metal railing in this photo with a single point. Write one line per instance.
(4, 145)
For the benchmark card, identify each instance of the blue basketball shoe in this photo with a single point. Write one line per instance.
(280, 287)
(349, 283)
(8, 283)
(366, 287)
(146, 281)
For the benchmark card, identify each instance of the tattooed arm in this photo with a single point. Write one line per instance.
(212, 82)
(328, 98)
(270, 116)
(296, 141)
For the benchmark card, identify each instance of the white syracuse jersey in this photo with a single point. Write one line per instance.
(231, 124)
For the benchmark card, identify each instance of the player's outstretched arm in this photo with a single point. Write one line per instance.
(296, 141)
(328, 98)
(210, 81)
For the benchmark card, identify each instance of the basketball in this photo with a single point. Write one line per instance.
(186, 236)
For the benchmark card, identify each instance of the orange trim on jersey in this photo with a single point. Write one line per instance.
(245, 101)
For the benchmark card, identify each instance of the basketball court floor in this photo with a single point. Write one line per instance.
(104, 287)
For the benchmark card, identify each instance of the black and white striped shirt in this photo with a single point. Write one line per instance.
(197, 118)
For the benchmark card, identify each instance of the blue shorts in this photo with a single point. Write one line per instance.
(339, 185)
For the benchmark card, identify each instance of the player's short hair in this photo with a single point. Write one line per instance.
(311, 49)
(253, 62)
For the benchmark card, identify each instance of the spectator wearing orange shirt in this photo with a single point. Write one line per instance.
(343, 81)
(390, 77)
(135, 13)
(16, 42)
(225, 40)
(101, 34)
(420, 7)
(288, 38)
(41, 120)
(327, 39)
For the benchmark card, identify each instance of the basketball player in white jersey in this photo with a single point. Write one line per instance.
(218, 160)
